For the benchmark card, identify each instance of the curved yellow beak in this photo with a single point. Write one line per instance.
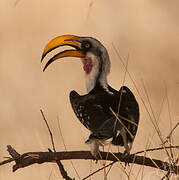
(65, 40)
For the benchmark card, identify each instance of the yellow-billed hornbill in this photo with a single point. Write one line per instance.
(95, 110)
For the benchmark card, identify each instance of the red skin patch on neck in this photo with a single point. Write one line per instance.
(88, 65)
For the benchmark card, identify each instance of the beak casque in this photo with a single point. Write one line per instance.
(65, 40)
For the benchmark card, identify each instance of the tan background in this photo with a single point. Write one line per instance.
(147, 30)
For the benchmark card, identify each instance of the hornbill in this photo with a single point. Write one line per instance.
(111, 116)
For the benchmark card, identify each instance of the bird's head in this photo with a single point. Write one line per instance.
(95, 58)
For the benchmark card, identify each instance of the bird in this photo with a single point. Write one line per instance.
(111, 116)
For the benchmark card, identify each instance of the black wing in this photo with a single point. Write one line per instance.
(89, 111)
(128, 112)
(93, 111)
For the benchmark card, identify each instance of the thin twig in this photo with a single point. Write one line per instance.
(155, 124)
(6, 161)
(170, 118)
(100, 169)
(50, 174)
(16, 2)
(168, 174)
(171, 133)
(156, 149)
(121, 123)
(109, 170)
(89, 10)
(51, 135)
(59, 127)
(145, 153)
(122, 61)
(60, 165)
(147, 150)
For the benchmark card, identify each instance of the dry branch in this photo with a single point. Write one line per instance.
(30, 158)
(171, 132)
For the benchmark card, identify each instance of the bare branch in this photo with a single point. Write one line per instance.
(30, 158)
(6, 161)
(13, 152)
(51, 135)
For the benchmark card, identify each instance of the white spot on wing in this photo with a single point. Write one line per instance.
(124, 91)
(117, 134)
(99, 106)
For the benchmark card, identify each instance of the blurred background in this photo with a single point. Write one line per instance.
(145, 32)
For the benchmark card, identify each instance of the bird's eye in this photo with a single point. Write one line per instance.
(86, 45)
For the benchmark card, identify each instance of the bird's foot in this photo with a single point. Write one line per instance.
(94, 145)
(125, 156)
(95, 157)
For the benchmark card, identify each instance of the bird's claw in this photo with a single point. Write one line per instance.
(125, 155)
(96, 161)
(95, 158)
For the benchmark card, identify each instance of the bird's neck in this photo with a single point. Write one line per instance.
(95, 73)
(94, 79)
